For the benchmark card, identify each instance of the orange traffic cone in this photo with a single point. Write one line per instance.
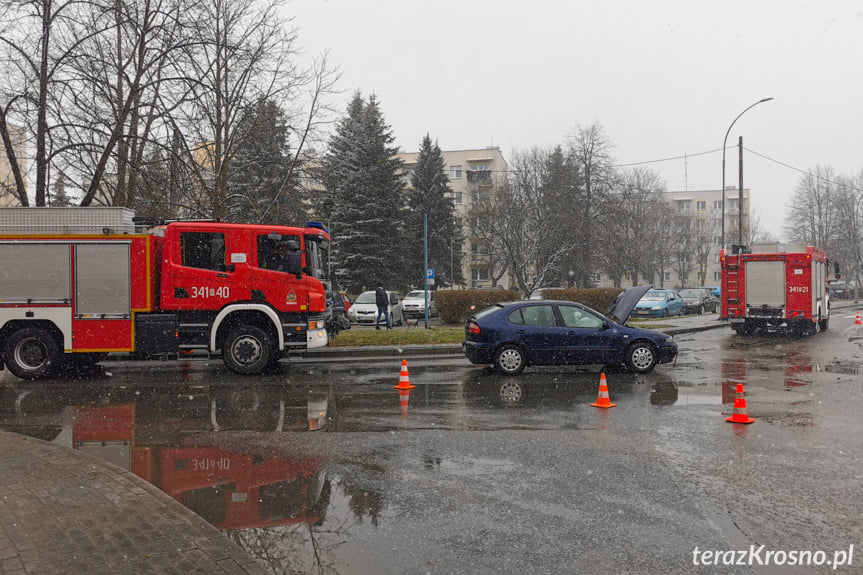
(404, 381)
(602, 399)
(858, 322)
(740, 414)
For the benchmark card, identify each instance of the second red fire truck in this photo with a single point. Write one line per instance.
(77, 283)
(773, 287)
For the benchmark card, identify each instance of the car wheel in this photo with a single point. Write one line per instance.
(640, 357)
(509, 360)
(665, 312)
(701, 310)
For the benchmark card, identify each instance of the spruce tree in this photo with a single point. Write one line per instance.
(431, 195)
(262, 186)
(362, 175)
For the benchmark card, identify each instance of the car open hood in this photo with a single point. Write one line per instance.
(624, 303)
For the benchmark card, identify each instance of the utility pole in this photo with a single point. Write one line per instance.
(740, 195)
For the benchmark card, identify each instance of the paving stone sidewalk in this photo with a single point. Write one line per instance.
(67, 512)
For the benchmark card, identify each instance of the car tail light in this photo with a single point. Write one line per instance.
(472, 327)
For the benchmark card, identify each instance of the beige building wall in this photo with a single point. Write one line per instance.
(471, 172)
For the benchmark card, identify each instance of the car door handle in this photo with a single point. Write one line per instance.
(570, 333)
(521, 331)
(221, 275)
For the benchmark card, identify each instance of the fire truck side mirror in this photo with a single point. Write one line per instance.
(295, 264)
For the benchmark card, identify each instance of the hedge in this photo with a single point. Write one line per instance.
(455, 306)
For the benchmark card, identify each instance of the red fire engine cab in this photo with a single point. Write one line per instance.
(773, 287)
(77, 283)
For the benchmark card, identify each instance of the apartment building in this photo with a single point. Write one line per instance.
(705, 209)
(473, 174)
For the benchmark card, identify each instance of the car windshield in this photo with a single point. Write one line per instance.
(366, 297)
(691, 293)
(418, 294)
(654, 295)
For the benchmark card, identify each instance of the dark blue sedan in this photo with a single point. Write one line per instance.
(513, 335)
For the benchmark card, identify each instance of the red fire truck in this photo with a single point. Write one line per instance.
(77, 283)
(773, 287)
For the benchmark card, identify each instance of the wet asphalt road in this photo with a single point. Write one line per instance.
(486, 474)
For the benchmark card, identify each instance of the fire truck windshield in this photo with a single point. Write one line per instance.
(315, 252)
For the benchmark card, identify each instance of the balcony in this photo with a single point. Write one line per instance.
(479, 176)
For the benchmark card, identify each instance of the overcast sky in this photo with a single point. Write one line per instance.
(664, 79)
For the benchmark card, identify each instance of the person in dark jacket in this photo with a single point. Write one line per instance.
(382, 301)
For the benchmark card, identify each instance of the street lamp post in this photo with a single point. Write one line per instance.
(724, 141)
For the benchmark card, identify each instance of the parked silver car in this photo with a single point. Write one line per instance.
(414, 304)
(364, 310)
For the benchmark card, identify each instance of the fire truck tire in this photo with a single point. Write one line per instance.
(825, 323)
(248, 350)
(640, 357)
(31, 353)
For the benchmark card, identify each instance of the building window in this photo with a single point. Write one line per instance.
(717, 276)
(455, 197)
(667, 276)
(683, 206)
(455, 172)
(479, 274)
(701, 206)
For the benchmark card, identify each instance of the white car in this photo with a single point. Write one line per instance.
(414, 305)
(364, 310)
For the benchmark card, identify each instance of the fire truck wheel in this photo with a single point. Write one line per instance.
(247, 350)
(31, 353)
(640, 357)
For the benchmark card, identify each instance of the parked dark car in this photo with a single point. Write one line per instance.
(842, 290)
(513, 335)
(698, 300)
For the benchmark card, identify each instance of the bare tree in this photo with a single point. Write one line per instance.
(757, 233)
(35, 47)
(590, 150)
(811, 215)
(534, 243)
(245, 54)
